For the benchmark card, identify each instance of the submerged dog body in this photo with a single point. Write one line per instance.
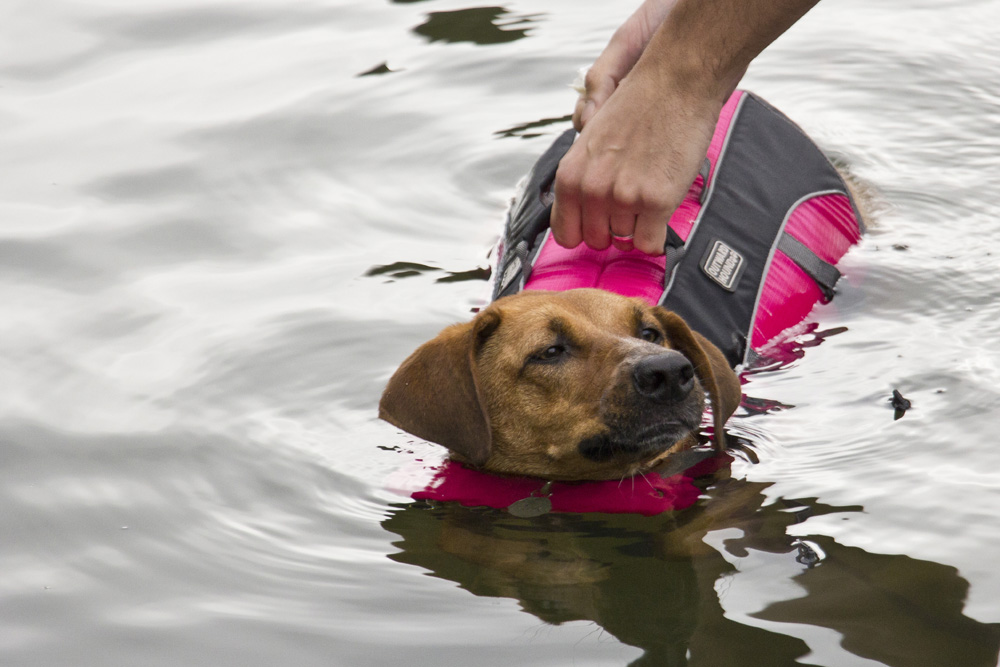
(582, 384)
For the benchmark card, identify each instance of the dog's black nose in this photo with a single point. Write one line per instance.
(664, 378)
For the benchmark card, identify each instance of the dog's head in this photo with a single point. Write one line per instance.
(583, 384)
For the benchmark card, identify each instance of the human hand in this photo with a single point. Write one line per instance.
(648, 112)
(632, 164)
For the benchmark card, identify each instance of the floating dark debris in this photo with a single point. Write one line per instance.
(899, 404)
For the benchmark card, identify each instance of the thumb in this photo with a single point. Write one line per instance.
(584, 111)
(598, 85)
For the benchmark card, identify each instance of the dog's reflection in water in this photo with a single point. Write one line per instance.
(652, 581)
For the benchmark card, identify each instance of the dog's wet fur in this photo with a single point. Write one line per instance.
(575, 385)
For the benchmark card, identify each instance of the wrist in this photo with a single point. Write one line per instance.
(684, 64)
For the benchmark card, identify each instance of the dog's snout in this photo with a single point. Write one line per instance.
(664, 378)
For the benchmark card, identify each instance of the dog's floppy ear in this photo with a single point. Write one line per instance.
(710, 366)
(435, 393)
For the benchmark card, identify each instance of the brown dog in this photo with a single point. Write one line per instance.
(574, 385)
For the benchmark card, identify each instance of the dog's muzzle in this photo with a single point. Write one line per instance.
(654, 406)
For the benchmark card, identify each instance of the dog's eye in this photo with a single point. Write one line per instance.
(551, 353)
(651, 335)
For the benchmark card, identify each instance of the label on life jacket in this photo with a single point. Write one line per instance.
(723, 265)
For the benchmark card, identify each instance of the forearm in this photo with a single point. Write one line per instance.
(703, 47)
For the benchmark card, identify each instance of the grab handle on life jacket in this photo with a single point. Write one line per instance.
(824, 274)
(674, 250)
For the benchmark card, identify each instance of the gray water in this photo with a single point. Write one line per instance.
(198, 201)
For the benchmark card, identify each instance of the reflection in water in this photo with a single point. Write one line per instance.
(398, 270)
(651, 582)
(479, 25)
(530, 129)
(381, 68)
(890, 608)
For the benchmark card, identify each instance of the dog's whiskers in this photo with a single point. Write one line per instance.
(646, 480)
(631, 478)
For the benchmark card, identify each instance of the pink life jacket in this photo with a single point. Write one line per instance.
(750, 251)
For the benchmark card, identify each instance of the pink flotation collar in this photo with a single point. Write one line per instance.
(648, 494)
(825, 222)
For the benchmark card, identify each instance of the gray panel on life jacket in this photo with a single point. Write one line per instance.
(766, 168)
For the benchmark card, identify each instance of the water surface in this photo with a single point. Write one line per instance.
(223, 226)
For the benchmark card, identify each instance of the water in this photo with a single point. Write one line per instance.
(198, 203)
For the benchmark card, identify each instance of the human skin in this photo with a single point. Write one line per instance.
(646, 117)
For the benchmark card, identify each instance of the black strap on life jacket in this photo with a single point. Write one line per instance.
(767, 167)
